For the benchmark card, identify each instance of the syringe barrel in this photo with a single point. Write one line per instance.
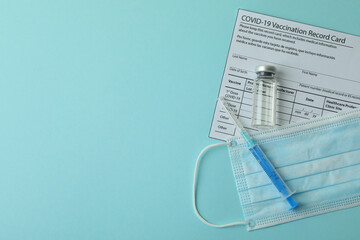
(273, 175)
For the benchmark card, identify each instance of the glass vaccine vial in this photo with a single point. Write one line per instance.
(264, 97)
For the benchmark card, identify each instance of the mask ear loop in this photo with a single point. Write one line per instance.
(194, 189)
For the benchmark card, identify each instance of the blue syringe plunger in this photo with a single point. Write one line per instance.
(273, 175)
(292, 203)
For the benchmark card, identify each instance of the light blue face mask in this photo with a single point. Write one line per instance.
(319, 160)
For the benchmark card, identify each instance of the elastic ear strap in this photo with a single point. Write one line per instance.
(194, 189)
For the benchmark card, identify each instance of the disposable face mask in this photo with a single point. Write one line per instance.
(319, 160)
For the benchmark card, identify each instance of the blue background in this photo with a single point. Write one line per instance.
(105, 106)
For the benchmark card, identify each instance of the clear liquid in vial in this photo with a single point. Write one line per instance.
(264, 101)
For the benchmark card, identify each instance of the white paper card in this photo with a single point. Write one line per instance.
(317, 71)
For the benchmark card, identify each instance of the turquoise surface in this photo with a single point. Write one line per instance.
(105, 106)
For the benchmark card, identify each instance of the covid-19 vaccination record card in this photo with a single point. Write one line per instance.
(317, 71)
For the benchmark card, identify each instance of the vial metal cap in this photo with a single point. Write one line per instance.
(265, 68)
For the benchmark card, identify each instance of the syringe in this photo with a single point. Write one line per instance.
(262, 160)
